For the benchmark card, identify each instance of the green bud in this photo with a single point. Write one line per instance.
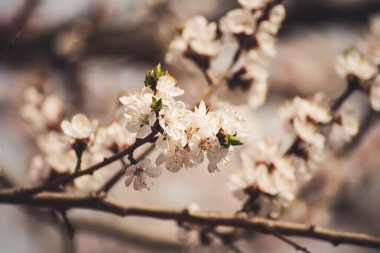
(152, 77)
(233, 140)
(227, 140)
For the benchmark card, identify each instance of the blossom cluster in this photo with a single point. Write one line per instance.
(185, 137)
(251, 29)
(42, 111)
(272, 173)
(63, 144)
(360, 65)
(266, 174)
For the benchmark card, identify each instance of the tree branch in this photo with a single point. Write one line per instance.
(66, 201)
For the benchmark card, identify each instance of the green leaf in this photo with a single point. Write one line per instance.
(156, 105)
(233, 140)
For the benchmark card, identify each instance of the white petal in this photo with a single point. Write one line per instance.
(212, 167)
(153, 171)
(174, 163)
(143, 163)
(197, 156)
(160, 159)
(66, 128)
(375, 96)
(129, 180)
(140, 182)
(130, 170)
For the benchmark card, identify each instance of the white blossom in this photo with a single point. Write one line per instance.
(52, 109)
(53, 142)
(218, 157)
(353, 62)
(304, 110)
(113, 137)
(266, 40)
(199, 144)
(174, 119)
(305, 166)
(202, 122)
(304, 116)
(232, 123)
(174, 162)
(139, 115)
(166, 88)
(33, 96)
(80, 127)
(198, 36)
(347, 123)
(137, 174)
(40, 111)
(277, 15)
(33, 116)
(56, 152)
(253, 4)
(374, 94)
(64, 162)
(239, 21)
(258, 91)
(265, 169)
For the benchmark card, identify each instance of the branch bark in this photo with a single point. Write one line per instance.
(66, 201)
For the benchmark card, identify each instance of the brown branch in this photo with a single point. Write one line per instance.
(66, 201)
(226, 240)
(292, 243)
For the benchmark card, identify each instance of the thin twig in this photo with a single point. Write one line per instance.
(292, 243)
(78, 164)
(25, 192)
(342, 98)
(67, 201)
(227, 242)
(66, 222)
(121, 172)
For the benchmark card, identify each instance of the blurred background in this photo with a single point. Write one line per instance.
(91, 52)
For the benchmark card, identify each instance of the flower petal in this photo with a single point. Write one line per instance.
(130, 170)
(153, 171)
(129, 180)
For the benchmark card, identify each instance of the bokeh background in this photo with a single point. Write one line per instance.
(89, 52)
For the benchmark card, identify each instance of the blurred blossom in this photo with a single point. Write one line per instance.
(347, 124)
(197, 41)
(80, 127)
(303, 117)
(253, 4)
(352, 62)
(41, 111)
(265, 172)
(374, 94)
